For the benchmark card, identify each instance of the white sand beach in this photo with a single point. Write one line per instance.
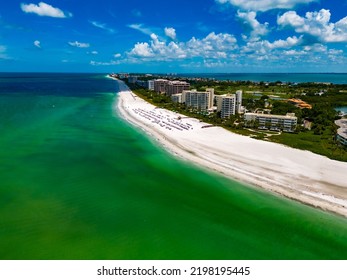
(300, 175)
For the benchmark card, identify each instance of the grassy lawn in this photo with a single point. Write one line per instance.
(319, 144)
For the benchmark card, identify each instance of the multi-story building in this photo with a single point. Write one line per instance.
(132, 79)
(160, 85)
(150, 84)
(273, 122)
(141, 83)
(238, 101)
(174, 87)
(226, 104)
(341, 135)
(176, 98)
(201, 100)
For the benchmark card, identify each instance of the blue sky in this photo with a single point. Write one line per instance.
(178, 36)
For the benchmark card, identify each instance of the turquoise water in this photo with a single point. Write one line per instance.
(78, 182)
(342, 109)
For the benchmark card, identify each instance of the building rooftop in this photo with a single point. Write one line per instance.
(289, 117)
(342, 131)
(178, 83)
(299, 103)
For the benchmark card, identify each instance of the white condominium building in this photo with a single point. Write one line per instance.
(150, 84)
(226, 104)
(238, 101)
(202, 100)
(229, 104)
(273, 122)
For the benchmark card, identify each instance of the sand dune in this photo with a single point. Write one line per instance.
(300, 175)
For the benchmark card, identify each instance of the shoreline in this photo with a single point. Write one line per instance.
(299, 175)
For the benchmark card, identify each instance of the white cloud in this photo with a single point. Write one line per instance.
(109, 63)
(142, 50)
(316, 24)
(43, 9)
(170, 32)
(141, 28)
(79, 44)
(316, 48)
(102, 26)
(264, 5)
(93, 52)
(265, 47)
(257, 29)
(37, 44)
(221, 51)
(212, 46)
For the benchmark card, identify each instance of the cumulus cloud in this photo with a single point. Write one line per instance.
(257, 29)
(43, 9)
(79, 44)
(142, 50)
(264, 5)
(212, 46)
(222, 51)
(170, 32)
(37, 44)
(265, 47)
(316, 24)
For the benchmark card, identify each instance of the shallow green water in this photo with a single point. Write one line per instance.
(77, 182)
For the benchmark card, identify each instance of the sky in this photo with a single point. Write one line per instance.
(173, 36)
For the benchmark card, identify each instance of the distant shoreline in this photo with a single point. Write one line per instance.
(299, 175)
(333, 78)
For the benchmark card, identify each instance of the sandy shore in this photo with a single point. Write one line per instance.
(301, 175)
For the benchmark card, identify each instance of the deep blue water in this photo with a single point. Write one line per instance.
(335, 78)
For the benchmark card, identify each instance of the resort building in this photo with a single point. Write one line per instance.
(238, 101)
(176, 98)
(229, 104)
(150, 84)
(341, 135)
(226, 104)
(142, 83)
(174, 87)
(132, 79)
(272, 122)
(201, 100)
(160, 85)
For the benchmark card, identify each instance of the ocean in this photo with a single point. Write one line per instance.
(79, 182)
(343, 109)
(335, 78)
